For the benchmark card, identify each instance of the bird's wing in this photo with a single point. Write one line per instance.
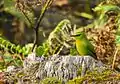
(91, 50)
(90, 46)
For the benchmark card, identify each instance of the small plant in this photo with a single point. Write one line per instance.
(58, 39)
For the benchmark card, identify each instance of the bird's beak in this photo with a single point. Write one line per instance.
(75, 35)
(72, 35)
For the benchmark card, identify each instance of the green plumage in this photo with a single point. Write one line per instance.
(83, 45)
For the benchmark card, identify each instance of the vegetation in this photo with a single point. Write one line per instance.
(102, 27)
(51, 80)
(96, 77)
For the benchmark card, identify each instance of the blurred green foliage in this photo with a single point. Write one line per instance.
(9, 7)
(57, 39)
(12, 48)
(103, 11)
(12, 54)
(42, 50)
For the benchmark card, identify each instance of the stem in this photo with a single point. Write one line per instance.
(115, 55)
(39, 21)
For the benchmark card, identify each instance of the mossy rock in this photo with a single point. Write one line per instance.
(97, 78)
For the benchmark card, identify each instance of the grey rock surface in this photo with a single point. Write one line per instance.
(62, 67)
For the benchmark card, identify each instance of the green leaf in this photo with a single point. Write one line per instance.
(40, 51)
(25, 51)
(8, 58)
(117, 39)
(106, 8)
(3, 41)
(17, 62)
(85, 15)
(12, 48)
(20, 51)
(18, 48)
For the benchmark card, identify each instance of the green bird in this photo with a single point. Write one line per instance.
(83, 45)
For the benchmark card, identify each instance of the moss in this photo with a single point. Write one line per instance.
(96, 77)
(79, 71)
(51, 80)
(78, 80)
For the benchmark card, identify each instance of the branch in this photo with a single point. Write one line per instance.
(39, 21)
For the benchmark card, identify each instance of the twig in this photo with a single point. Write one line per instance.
(26, 16)
(115, 55)
(39, 21)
